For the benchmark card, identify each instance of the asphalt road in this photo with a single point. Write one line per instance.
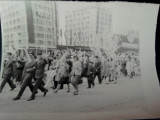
(124, 100)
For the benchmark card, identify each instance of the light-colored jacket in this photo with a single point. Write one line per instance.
(77, 68)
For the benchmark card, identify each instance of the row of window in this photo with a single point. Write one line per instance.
(11, 36)
(76, 28)
(41, 35)
(79, 43)
(78, 14)
(12, 22)
(11, 29)
(41, 42)
(11, 15)
(42, 22)
(77, 18)
(10, 42)
(77, 24)
(42, 29)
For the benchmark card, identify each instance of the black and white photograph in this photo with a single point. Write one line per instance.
(77, 60)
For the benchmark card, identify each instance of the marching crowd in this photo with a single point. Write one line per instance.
(66, 67)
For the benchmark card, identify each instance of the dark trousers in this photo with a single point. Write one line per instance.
(56, 83)
(38, 84)
(42, 84)
(90, 80)
(99, 77)
(27, 81)
(7, 80)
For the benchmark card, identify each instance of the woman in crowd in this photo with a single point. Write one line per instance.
(76, 74)
(63, 75)
(105, 69)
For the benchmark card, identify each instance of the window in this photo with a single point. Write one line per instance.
(49, 42)
(19, 27)
(18, 20)
(19, 34)
(20, 41)
(17, 12)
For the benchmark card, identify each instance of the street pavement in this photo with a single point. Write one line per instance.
(124, 100)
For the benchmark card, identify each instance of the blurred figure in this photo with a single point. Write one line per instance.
(97, 69)
(8, 72)
(90, 75)
(76, 74)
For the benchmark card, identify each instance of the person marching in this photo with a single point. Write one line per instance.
(39, 74)
(90, 76)
(97, 69)
(28, 72)
(76, 74)
(8, 72)
(19, 66)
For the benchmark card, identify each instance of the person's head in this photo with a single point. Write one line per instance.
(90, 63)
(54, 58)
(68, 58)
(31, 55)
(105, 56)
(76, 58)
(96, 58)
(39, 55)
(9, 55)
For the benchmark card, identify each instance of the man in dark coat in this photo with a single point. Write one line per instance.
(27, 76)
(39, 74)
(90, 76)
(8, 73)
(97, 69)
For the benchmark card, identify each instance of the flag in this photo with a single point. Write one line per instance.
(61, 32)
(79, 36)
(70, 37)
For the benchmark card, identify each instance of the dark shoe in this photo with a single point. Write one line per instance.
(93, 84)
(55, 91)
(75, 93)
(37, 92)
(16, 98)
(68, 90)
(53, 87)
(45, 92)
(88, 87)
(30, 99)
(13, 88)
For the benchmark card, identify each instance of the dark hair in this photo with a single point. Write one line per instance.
(76, 57)
(40, 53)
(31, 53)
(96, 56)
(9, 53)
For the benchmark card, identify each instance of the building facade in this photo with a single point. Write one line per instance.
(85, 24)
(29, 24)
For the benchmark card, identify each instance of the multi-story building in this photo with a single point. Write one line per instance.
(29, 24)
(85, 24)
